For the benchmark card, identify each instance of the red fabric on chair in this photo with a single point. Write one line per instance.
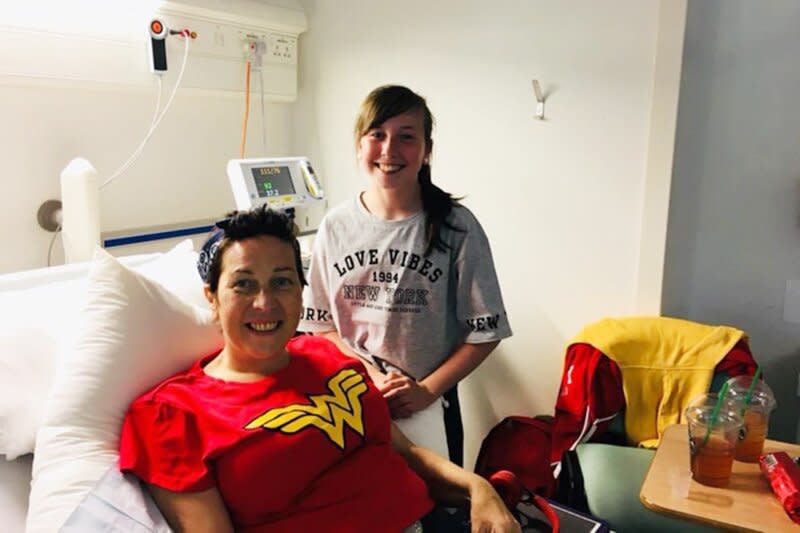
(739, 361)
(589, 398)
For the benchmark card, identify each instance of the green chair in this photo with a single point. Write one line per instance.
(611, 476)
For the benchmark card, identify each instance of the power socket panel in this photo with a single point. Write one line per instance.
(226, 41)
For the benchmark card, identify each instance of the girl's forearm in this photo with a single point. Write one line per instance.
(463, 360)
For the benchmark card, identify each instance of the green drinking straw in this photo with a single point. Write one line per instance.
(750, 390)
(715, 412)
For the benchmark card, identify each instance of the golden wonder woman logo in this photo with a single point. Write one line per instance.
(328, 412)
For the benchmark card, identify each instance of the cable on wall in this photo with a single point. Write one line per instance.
(158, 117)
(246, 109)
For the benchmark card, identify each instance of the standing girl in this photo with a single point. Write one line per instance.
(402, 276)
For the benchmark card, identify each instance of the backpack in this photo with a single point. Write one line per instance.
(521, 445)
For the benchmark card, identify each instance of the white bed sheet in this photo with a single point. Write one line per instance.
(15, 485)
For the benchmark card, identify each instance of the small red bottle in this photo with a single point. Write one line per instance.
(783, 475)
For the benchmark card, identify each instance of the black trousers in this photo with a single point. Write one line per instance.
(453, 426)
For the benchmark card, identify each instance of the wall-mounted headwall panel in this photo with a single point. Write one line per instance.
(49, 50)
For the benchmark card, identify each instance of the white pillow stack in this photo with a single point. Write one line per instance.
(132, 333)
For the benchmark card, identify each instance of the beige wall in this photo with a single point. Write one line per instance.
(562, 200)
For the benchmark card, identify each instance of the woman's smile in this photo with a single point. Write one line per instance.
(264, 327)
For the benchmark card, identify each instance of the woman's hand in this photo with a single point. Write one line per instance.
(452, 485)
(404, 395)
(488, 513)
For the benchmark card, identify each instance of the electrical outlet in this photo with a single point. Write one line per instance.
(282, 49)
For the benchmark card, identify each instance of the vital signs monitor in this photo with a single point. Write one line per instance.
(280, 183)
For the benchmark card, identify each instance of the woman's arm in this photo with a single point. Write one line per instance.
(193, 512)
(406, 396)
(452, 484)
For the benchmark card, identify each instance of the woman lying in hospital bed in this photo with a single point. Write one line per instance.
(282, 433)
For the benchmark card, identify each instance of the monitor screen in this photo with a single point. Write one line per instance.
(272, 181)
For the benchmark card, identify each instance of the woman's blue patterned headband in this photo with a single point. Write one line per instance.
(209, 249)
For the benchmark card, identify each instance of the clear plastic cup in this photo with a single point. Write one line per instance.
(755, 413)
(712, 444)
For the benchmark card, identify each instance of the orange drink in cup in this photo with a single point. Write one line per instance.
(755, 410)
(711, 462)
(713, 435)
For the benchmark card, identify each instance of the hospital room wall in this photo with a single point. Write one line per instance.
(180, 176)
(563, 200)
(734, 218)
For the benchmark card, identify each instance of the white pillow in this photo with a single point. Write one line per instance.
(38, 322)
(176, 270)
(133, 334)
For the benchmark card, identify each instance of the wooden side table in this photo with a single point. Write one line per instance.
(746, 504)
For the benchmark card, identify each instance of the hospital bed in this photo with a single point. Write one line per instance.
(79, 342)
(41, 312)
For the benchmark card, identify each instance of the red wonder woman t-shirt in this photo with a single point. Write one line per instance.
(307, 448)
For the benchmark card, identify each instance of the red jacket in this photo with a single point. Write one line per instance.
(591, 396)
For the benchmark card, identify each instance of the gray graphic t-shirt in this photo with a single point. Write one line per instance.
(370, 281)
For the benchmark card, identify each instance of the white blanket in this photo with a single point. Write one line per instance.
(117, 504)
